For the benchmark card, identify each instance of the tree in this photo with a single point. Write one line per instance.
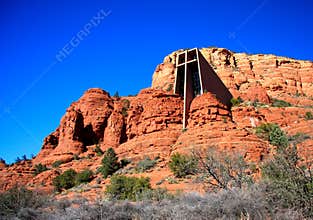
(223, 172)
(116, 95)
(24, 157)
(110, 163)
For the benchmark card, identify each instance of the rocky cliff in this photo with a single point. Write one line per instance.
(150, 123)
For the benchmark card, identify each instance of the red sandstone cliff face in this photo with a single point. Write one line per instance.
(278, 75)
(150, 124)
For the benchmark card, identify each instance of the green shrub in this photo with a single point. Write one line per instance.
(110, 163)
(183, 165)
(124, 163)
(65, 181)
(130, 188)
(98, 150)
(57, 163)
(280, 103)
(126, 104)
(236, 101)
(169, 87)
(145, 164)
(272, 133)
(76, 157)
(84, 176)
(289, 184)
(39, 168)
(308, 116)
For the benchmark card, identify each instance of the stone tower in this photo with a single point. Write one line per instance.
(195, 76)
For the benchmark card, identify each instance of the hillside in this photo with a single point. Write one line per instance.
(150, 123)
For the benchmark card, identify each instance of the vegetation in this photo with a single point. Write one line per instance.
(18, 159)
(289, 184)
(236, 101)
(39, 168)
(126, 104)
(2, 160)
(308, 116)
(284, 192)
(116, 95)
(76, 157)
(298, 138)
(169, 88)
(110, 163)
(130, 188)
(98, 150)
(71, 178)
(273, 134)
(65, 181)
(83, 177)
(124, 162)
(145, 164)
(17, 200)
(280, 103)
(57, 163)
(223, 172)
(183, 165)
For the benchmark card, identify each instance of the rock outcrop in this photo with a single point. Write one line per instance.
(277, 75)
(150, 124)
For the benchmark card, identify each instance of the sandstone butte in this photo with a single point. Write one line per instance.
(150, 123)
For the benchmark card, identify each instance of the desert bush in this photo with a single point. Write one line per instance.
(289, 184)
(39, 168)
(84, 176)
(123, 187)
(109, 163)
(308, 116)
(18, 198)
(65, 180)
(298, 138)
(145, 164)
(183, 165)
(124, 162)
(169, 87)
(57, 163)
(223, 171)
(98, 150)
(76, 157)
(280, 103)
(236, 101)
(157, 194)
(273, 134)
(232, 203)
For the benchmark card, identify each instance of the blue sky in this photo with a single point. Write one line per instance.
(121, 50)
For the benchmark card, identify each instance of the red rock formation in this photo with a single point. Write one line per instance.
(276, 74)
(205, 109)
(150, 124)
